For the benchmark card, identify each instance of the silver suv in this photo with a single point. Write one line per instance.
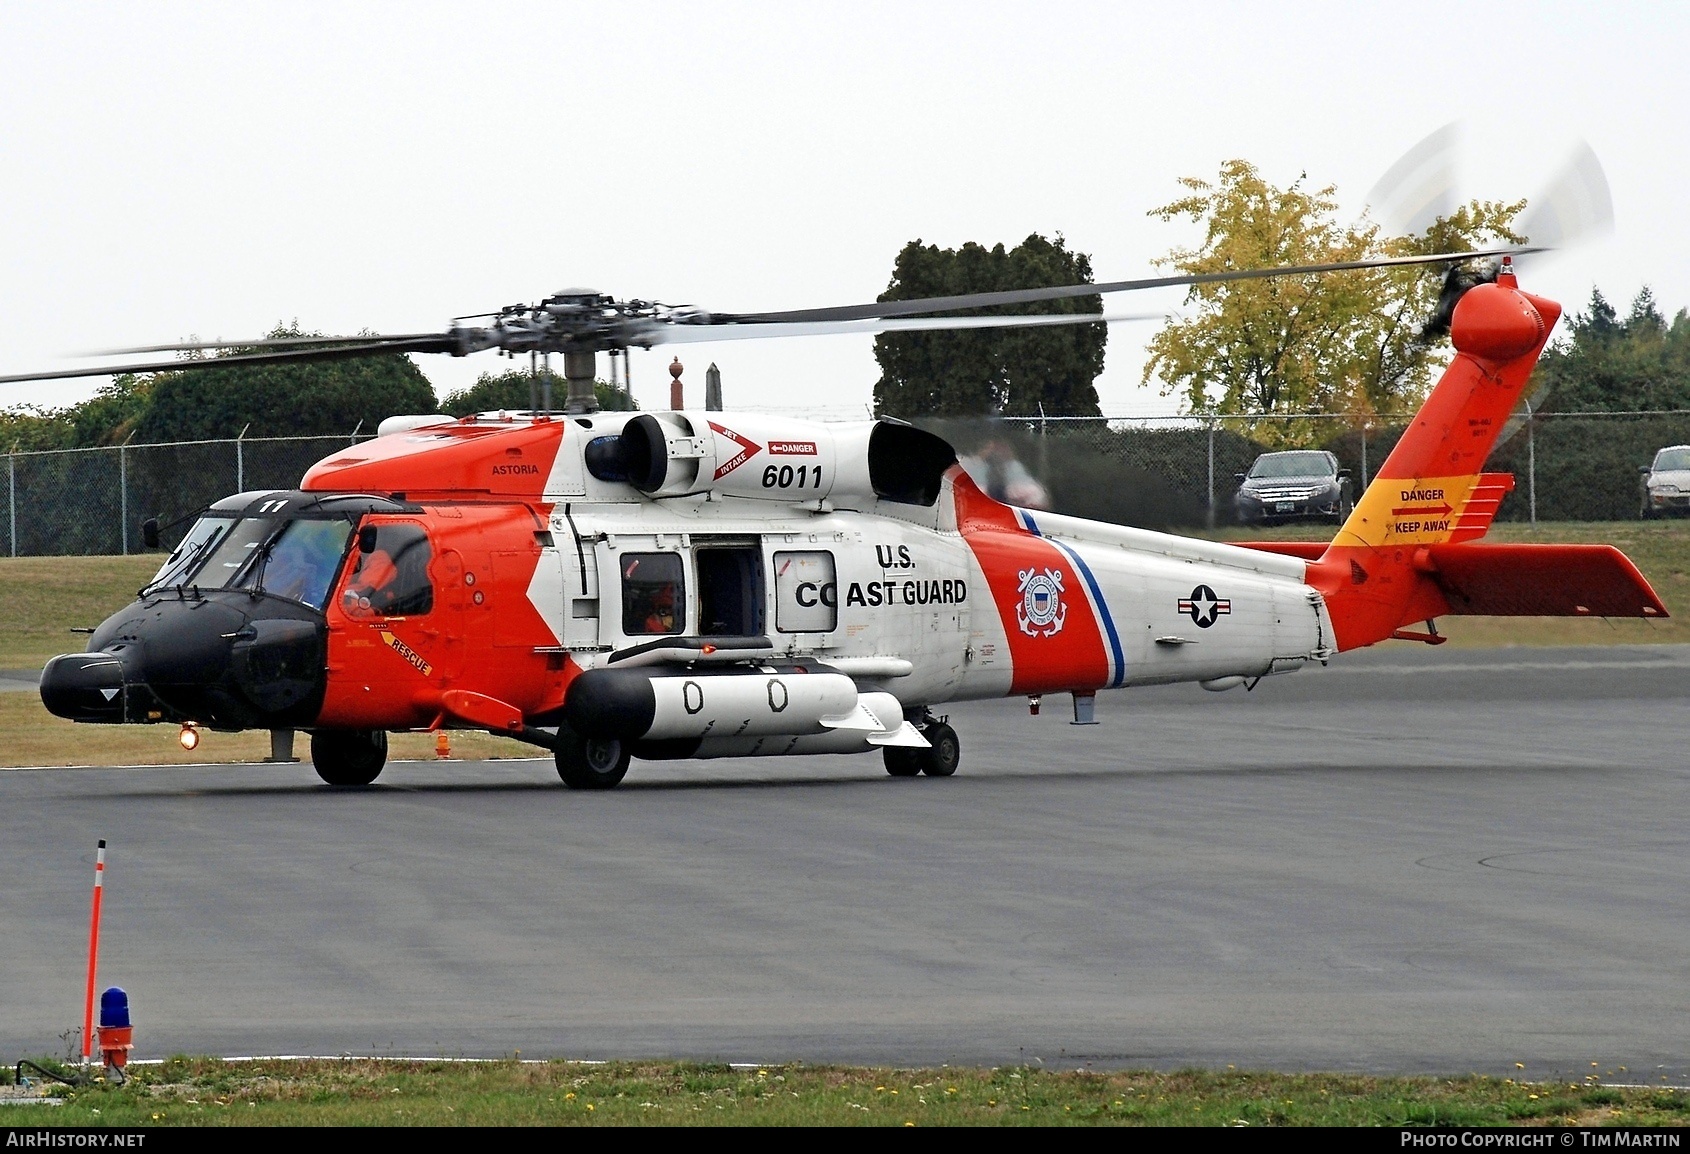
(1666, 483)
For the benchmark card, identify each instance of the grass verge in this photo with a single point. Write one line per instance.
(43, 598)
(210, 1092)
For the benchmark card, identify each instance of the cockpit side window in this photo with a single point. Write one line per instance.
(392, 579)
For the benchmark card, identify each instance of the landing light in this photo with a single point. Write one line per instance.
(189, 737)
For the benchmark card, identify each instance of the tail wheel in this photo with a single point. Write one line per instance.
(944, 752)
(349, 756)
(901, 761)
(590, 762)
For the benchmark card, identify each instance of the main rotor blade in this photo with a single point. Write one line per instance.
(264, 343)
(1066, 292)
(700, 334)
(1576, 204)
(431, 344)
(1421, 186)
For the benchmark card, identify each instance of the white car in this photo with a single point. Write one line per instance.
(1666, 483)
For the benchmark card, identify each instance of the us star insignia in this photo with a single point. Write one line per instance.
(1203, 607)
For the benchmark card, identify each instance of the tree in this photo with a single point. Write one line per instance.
(1608, 364)
(1349, 342)
(106, 418)
(519, 389)
(303, 399)
(30, 427)
(982, 371)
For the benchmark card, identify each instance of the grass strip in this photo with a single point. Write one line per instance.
(212, 1092)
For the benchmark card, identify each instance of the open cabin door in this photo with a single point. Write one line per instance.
(732, 601)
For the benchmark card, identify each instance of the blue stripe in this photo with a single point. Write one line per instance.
(1102, 611)
(1028, 523)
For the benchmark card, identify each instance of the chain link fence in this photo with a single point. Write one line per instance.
(1182, 472)
(1172, 472)
(92, 501)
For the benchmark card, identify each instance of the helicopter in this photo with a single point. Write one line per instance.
(688, 584)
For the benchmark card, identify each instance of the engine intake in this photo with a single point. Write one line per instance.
(771, 459)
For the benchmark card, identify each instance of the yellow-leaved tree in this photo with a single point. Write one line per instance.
(1349, 342)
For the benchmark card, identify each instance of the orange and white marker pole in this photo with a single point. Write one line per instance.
(93, 951)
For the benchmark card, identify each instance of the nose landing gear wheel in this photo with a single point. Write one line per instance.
(590, 762)
(349, 756)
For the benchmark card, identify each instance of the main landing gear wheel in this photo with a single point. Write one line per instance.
(349, 756)
(939, 760)
(946, 751)
(590, 762)
(901, 761)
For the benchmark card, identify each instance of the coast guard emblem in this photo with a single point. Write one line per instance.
(1041, 612)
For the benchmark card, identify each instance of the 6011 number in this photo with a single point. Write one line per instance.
(792, 476)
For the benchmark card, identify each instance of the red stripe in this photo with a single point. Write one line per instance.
(1043, 661)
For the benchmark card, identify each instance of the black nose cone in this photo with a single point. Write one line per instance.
(227, 660)
(84, 687)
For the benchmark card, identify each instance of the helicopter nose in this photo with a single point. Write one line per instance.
(84, 686)
(233, 662)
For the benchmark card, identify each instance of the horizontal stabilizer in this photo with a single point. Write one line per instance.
(1541, 581)
(1307, 550)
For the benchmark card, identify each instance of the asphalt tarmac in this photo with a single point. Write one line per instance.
(1418, 860)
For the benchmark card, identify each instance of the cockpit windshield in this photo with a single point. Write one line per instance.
(207, 531)
(302, 561)
(296, 559)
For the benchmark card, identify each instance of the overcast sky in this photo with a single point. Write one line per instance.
(211, 169)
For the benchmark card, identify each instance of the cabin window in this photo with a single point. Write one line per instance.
(391, 580)
(653, 594)
(806, 592)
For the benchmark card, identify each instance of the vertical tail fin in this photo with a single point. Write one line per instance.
(1431, 490)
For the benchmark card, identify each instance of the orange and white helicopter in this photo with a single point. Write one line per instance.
(691, 584)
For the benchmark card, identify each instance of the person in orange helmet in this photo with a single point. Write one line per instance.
(364, 592)
(661, 619)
